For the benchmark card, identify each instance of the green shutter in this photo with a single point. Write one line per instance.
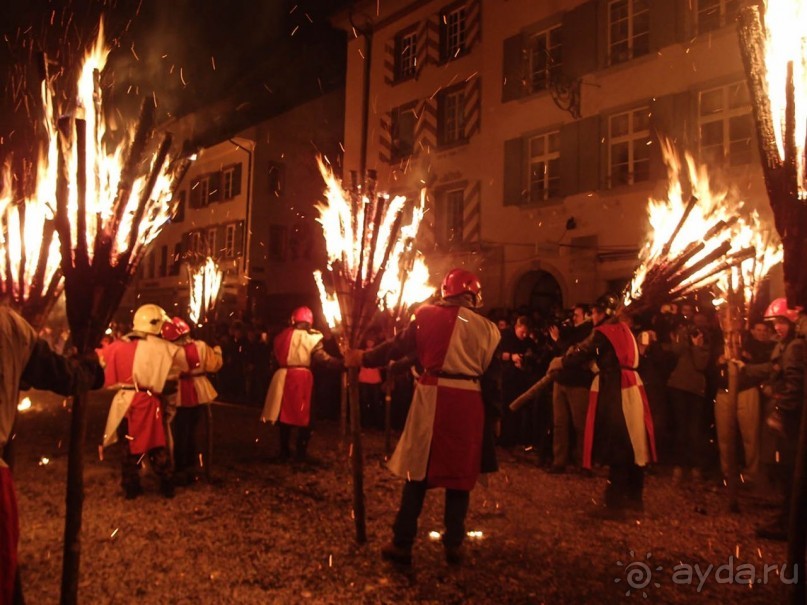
(513, 171)
(239, 238)
(666, 23)
(513, 68)
(569, 154)
(589, 154)
(579, 35)
(215, 193)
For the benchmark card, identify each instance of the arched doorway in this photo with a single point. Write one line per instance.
(539, 290)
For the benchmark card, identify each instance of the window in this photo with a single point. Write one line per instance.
(545, 56)
(628, 29)
(229, 241)
(163, 270)
(231, 181)
(544, 166)
(452, 33)
(275, 173)
(277, 243)
(196, 243)
(726, 127)
(450, 116)
(454, 203)
(629, 151)
(714, 14)
(405, 55)
(150, 273)
(179, 208)
(402, 132)
(200, 192)
(176, 260)
(210, 242)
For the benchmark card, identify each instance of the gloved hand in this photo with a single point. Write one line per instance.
(555, 365)
(353, 358)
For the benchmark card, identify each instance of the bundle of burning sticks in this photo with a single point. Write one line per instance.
(373, 266)
(204, 284)
(100, 209)
(700, 244)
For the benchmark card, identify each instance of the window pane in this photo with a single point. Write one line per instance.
(537, 146)
(711, 102)
(619, 125)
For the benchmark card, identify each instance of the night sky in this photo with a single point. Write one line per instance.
(265, 56)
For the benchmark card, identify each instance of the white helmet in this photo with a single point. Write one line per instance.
(149, 319)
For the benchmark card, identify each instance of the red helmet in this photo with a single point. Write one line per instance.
(458, 281)
(175, 329)
(302, 315)
(778, 308)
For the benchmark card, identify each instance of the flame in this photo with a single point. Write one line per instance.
(786, 42)
(404, 278)
(24, 404)
(204, 283)
(716, 219)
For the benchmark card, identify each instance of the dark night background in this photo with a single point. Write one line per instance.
(249, 60)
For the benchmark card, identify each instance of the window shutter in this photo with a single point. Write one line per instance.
(239, 238)
(579, 35)
(589, 144)
(513, 172)
(196, 192)
(670, 118)
(513, 68)
(666, 23)
(237, 180)
(215, 193)
(569, 163)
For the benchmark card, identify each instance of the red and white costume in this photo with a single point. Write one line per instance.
(289, 397)
(139, 368)
(442, 439)
(196, 359)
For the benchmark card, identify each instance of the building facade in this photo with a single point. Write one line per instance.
(535, 127)
(248, 202)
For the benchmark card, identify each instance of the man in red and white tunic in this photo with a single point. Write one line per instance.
(196, 359)
(140, 367)
(288, 401)
(619, 427)
(28, 360)
(448, 438)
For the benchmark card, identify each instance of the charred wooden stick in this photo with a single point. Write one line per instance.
(82, 257)
(533, 392)
(687, 211)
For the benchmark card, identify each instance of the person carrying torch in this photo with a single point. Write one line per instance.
(196, 359)
(448, 438)
(26, 359)
(140, 369)
(288, 401)
(619, 427)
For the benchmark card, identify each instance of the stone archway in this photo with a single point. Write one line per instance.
(538, 290)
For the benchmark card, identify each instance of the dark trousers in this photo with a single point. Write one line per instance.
(185, 426)
(687, 415)
(372, 405)
(406, 521)
(625, 485)
(303, 437)
(158, 457)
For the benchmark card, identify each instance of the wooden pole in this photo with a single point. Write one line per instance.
(357, 456)
(797, 543)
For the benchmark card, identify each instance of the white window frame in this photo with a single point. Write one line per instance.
(632, 34)
(229, 240)
(210, 241)
(454, 22)
(725, 116)
(723, 14)
(406, 61)
(633, 136)
(550, 143)
(549, 69)
(454, 216)
(452, 128)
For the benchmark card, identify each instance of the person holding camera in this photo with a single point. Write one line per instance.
(687, 400)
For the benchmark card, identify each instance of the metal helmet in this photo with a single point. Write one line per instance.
(175, 329)
(608, 303)
(149, 319)
(302, 315)
(457, 281)
(779, 308)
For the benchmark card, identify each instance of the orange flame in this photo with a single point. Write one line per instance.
(204, 283)
(786, 42)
